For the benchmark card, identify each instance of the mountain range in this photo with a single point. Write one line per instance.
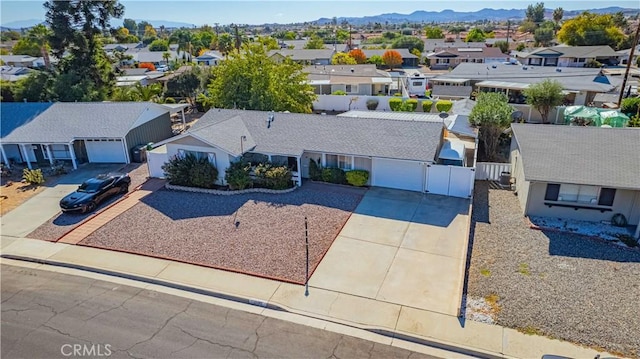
(455, 16)
(21, 24)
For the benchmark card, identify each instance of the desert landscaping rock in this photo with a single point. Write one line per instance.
(564, 285)
(257, 233)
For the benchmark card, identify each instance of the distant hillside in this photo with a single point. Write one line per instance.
(455, 16)
(23, 24)
(20, 24)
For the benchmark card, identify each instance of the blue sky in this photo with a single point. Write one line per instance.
(268, 11)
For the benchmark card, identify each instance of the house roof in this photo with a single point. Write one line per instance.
(303, 54)
(607, 157)
(210, 55)
(432, 44)
(403, 52)
(571, 78)
(470, 53)
(17, 114)
(346, 74)
(17, 58)
(571, 51)
(292, 133)
(63, 122)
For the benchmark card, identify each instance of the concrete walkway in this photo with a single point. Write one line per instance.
(398, 320)
(401, 247)
(92, 224)
(30, 215)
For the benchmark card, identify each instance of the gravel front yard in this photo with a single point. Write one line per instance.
(256, 233)
(57, 226)
(560, 285)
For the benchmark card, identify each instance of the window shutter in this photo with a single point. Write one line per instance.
(607, 195)
(552, 192)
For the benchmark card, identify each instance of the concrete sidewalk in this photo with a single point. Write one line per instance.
(400, 321)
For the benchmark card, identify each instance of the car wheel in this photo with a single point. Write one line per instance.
(124, 188)
(89, 207)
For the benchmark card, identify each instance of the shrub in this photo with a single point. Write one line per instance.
(427, 93)
(278, 177)
(411, 105)
(339, 93)
(395, 104)
(427, 105)
(147, 65)
(33, 177)
(238, 175)
(169, 100)
(398, 94)
(628, 240)
(630, 105)
(315, 170)
(334, 175)
(444, 105)
(190, 171)
(357, 178)
(372, 104)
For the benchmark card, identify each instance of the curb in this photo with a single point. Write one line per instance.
(260, 303)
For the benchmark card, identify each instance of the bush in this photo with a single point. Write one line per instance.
(628, 240)
(191, 172)
(411, 105)
(273, 177)
(357, 178)
(395, 104)
(339, 93)
(398, 94)
(630, 106)
(427, 105)
(444, 105)
(33, 177)
(315, 170)
(238, 175)
(372, 104)
(334, 175)
(169, 100)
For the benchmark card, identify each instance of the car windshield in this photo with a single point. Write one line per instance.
(89, 187)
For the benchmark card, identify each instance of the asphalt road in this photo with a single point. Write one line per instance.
(51, 315)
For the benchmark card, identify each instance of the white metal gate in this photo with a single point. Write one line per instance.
(452, 181)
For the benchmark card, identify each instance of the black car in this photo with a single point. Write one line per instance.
(95, 190)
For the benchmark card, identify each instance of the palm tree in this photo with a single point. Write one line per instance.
(146, 93)
(557, 16)
(39, 34)
(122, 94)
(166, 56)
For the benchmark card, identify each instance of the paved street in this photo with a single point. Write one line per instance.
(44, 314)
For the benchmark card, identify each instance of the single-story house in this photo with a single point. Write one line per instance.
(451, 57)
(303, 56)
(209, 58)
(624, 55)
(22, 60)
(156, 57)
(431, 45)
(408, 59)
(14, 73)
(102, 132)
(576, 172)
(398, 153)
(352, 79)
(568, 56)
(580, 84)
(109, 48)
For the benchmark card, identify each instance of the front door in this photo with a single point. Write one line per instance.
(39, 153)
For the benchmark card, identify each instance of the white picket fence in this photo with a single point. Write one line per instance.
(491, 171)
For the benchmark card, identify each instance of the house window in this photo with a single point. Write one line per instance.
(578, 59)
(338, 161)
(211, 157)
(580, 194)
(351, 88)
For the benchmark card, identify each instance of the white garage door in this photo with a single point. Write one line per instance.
(105, 151)
(406, 175)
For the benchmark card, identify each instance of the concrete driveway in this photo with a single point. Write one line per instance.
(401, 247)
(41, 207)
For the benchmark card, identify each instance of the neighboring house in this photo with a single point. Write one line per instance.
(580, 84)
(156, 57)
(623, 55)
(209, 58)
(576, 172)
(431, 45)
(443, 59)
(138, 75)
(102, 132)
(109, 48)
(22, 61)
(398, 153)
(13, 73)
(408, 59)
(352, 79)
(568, 56)
(305, 57)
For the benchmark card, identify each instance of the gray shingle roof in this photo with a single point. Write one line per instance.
(403, 52)
(292, 133)
(573, 51)
(65, 121)
(16, 114)
(608, 157)
(303, 54)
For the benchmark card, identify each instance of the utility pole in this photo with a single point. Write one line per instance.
(508, 32)
(634, 44)
(350, 48)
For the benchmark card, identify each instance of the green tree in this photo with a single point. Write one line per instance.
(543, 96)
(342, 58)
(122, 94)
(314, 43)
(376, 60)
(159, 45)
(535, 13)
(503, 46)
(342, 35)
(130, 25)
(528, 26)
(269, 42)
(492, 114)
(250, 80)
(589, 29)
(558, 14)
(408, 42)
(146, 93)
(9, 35)
(182, 37)
(543, 36)
(433, 32)
(35, 43)
(123, 35)
(75, 28)
(36, 87)
(184, 85)
(225, 43)
(476, 35)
